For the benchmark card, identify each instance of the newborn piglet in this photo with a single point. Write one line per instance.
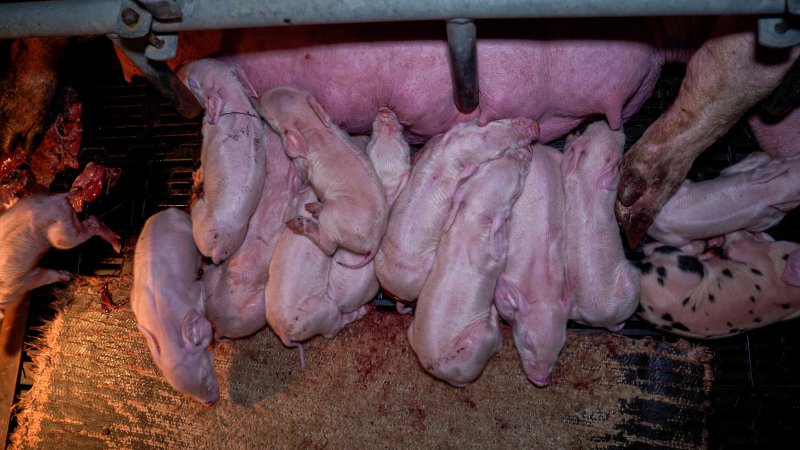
(232, 156)
(456, 328)
(602, 287)
(406, 255)
(28, 229)
(352, 210)
(168, 302)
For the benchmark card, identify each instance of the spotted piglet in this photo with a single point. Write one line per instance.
(601, 285)
(456, 328)
(712, 293)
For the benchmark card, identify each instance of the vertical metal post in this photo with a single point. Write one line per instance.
(461, 38)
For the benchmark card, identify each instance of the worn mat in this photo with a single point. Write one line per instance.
(95, 386)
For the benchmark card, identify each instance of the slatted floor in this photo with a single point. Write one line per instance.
(755, 399)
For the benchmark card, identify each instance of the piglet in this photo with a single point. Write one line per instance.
(307, 293)
(687, 292)
(456, 329)
(168, 302)
(28, 229)
(530, 291)
(352, 209)
(418, 215)
(752, 195)
(389, 153)
(232, 157)
(235, 288)
(602, 287)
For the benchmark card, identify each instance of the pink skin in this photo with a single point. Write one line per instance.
(602, 287)
(28, 229)
(389, 153)
(530, 291)
(737, 293)
(235, 288)
(168, 302)
(456, 330)
(752, 195)
(310, 293)
(791, 273)
(232, 158)
(543, 70)
(352, 209)
(723, 81)
(408, 250)
(780, 137)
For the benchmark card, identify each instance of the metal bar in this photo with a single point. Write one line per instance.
(461, 39)
(94, 17)
(160, 76)
(58, 18)
(12, 335)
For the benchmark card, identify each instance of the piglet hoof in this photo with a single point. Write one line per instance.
(403, 308)
(716, 241)
(298, 224)
(314, 208)
(616, 328)
(63, 276)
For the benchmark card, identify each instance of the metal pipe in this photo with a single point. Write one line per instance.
(160, 76)
(95, 17)
(58, 18)
(461, 38)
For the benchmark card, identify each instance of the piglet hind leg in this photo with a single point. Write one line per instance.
(310, 228)
(66, 234)
(321, 316)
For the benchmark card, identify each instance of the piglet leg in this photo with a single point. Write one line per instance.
(70, 233)
(310, 228)
(723, 80)
(321, 315)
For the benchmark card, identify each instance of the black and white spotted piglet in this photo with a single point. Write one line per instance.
(712, 293)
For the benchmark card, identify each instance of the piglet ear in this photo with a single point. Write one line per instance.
(499, 235)
(791, 273)
(507, 298)
(317, 108)
(152, 343)
(609, 176)
(251, 91)
(213, 107)
(572, 154)
(295, 144)
(195, 330)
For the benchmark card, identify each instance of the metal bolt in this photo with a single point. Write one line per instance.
(155, 41)
(129, 17)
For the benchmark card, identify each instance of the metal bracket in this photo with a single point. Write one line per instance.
(780, 32)
(133, 20)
